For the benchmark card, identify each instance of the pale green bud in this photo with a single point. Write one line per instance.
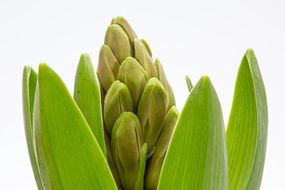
(152, 110)
(108, 67)
(156, 161)
(162, 78)
(126, 142)
(126, 26)
(118, 100)
(147, 46)
(133, 75)
(144, 57)
(119, 42)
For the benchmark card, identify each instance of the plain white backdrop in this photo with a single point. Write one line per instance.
(189, 37)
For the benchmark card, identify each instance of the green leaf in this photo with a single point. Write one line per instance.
(88, 98)
(189, 83)
(141, 171)
(29, 87)
(247, 127)
(197, 158)
(69, 155)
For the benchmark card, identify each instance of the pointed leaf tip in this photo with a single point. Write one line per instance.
(247, 127)
(63, 139)
(88, 97)
(29, 83)
(189, 83)
(196, 158)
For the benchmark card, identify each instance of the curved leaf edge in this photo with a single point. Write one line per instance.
(29, 81)
(166, 177)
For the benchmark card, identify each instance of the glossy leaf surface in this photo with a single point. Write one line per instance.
(88, 98)
(247, 127)
(29, 88)
(197, 158)
(69, 155)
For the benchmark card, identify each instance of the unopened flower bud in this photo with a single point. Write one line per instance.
(152, 110)
(108, 67)
(144, 57)
(133, 75)
(126, 26)
(156, 161)
(118, 100)
(126, 142)
(162, 78)
(118, 40)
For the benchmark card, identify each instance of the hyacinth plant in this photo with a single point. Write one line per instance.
(121, 129)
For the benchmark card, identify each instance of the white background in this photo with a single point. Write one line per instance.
(190, 37)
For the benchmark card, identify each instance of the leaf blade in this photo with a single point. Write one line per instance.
(196, 158)
(141, 171)
(29, 82)
(87, 95)
(188, 83)
(247, 127)
(69, 155)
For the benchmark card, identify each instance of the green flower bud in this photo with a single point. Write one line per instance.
(152, 110)
(147, 47)
(162, 78)
(136, 93)
(156, 161)
(144, 57)
(108, 67)
(126, 142)
(126, 26)
(133, 75)
(118, 100)
(119, 42)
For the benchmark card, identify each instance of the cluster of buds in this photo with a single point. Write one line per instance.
(138, 107)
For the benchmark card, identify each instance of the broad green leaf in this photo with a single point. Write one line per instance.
(197, 157)
(247, 127)
(68, 153)
(29, 87)
(88, 98)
